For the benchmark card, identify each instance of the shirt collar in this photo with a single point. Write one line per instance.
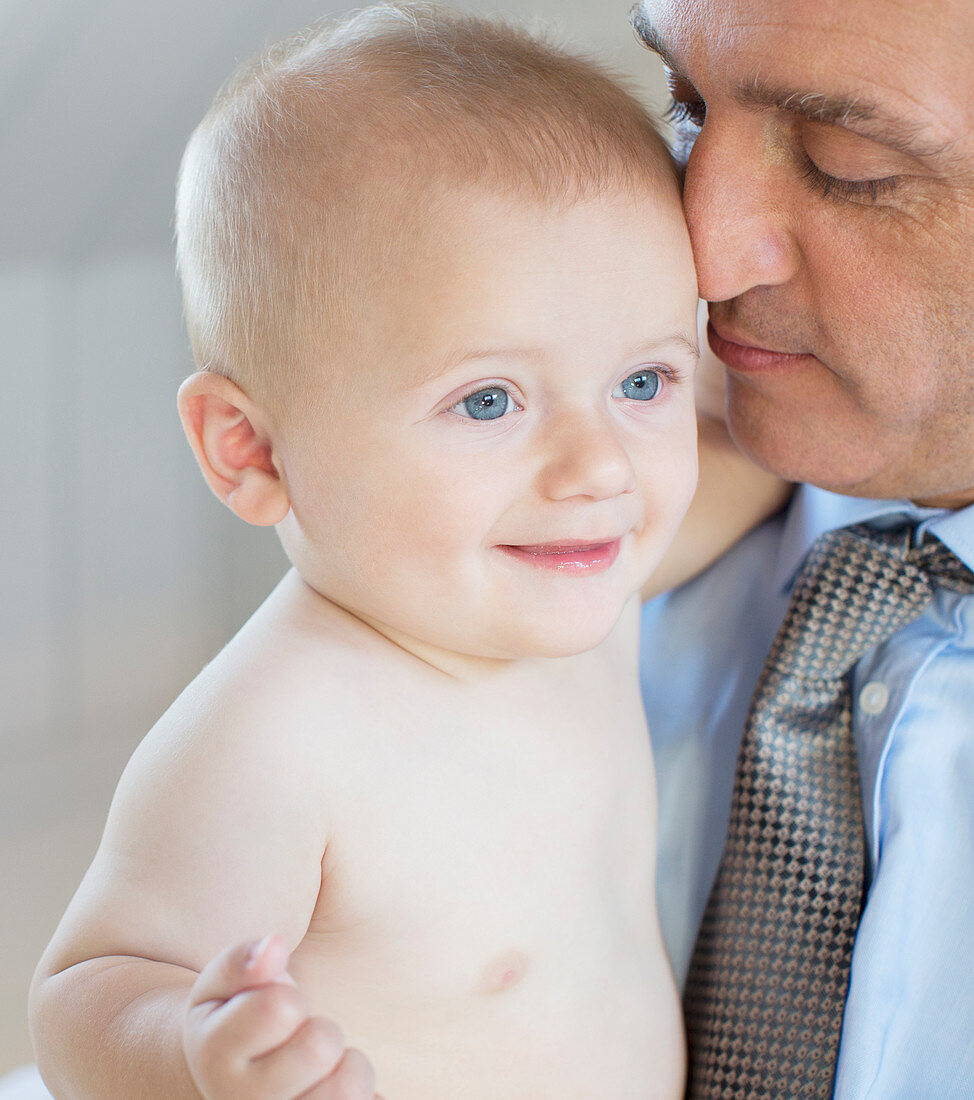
(814, 511)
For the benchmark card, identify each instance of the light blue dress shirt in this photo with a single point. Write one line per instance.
(908, 1031)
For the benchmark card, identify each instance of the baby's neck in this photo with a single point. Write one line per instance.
(463, 668)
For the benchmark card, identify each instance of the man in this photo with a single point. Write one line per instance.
(829, 189)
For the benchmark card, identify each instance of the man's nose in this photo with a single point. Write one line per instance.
(735, 197)
(585, 457)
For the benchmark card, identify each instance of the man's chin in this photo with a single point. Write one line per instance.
(801, 450)
(841, 469)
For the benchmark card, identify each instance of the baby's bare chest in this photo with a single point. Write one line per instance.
(477, 827)
(496, 887)
(484, 851)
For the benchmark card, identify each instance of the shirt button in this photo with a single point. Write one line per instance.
(874, 697)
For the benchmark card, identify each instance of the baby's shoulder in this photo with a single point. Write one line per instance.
(225, 810)
(285, 689)
(304, 688)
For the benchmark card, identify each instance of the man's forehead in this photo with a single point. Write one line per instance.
(869, 23)
(903, 58)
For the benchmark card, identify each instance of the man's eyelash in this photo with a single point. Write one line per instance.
(680, 112)
(688, 110)
(866, 192)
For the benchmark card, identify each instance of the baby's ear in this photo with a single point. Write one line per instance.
(232, 444)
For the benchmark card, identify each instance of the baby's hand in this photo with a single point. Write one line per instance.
(249, 1035)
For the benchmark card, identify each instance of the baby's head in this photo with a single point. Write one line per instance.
(439, 287)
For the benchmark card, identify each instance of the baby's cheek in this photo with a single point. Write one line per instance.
(669, 494)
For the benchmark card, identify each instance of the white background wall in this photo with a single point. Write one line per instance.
(119, 575)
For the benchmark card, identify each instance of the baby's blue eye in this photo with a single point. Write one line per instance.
(489, 404)
(641, 385)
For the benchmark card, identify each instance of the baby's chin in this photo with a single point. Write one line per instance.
(547, 636)
(553, 637)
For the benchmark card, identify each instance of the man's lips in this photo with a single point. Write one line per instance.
(751, 358)
(567, 557)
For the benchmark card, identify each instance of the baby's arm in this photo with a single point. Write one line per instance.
(733, 494)
(214, 839)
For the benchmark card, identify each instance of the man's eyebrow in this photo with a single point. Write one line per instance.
(853, 113)
(649, 36)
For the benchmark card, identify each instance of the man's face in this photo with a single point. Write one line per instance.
(512, 445)
(830, 197)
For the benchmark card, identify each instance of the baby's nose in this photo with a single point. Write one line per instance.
(586, 459)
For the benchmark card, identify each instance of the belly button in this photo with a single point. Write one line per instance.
(504, 972)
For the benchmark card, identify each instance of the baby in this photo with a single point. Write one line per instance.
(442, 299)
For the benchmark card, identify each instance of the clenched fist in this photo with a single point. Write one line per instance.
(248, 1034)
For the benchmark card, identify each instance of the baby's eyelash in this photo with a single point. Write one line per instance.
(866, 192)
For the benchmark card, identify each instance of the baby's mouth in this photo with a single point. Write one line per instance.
(567, 557)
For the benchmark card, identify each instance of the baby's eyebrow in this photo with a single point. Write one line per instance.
(676, 341)
(686, 343)
(463, 356)
(648, 349)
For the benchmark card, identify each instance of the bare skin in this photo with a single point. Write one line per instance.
(423, 764)
(486, 909)
(830, 198)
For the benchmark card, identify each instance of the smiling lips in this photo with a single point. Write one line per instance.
(568, 557)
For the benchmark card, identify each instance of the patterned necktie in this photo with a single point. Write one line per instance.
(770, 970)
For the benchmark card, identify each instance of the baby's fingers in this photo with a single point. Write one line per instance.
(255, 1022)
(242, 966)
(313, 1058)
(352, 1079)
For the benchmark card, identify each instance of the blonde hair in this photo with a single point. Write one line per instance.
(318, 156)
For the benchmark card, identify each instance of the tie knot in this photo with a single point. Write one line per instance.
(858, 587)
(942, 566)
